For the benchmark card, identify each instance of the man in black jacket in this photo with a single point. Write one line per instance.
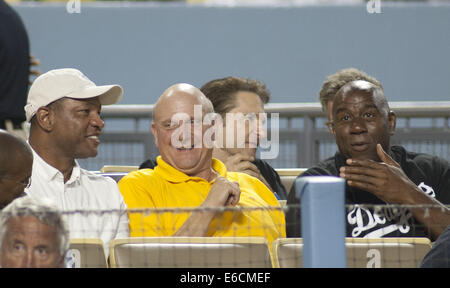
(377, 173)
(14, 70)
(234, 96)
(439, 255)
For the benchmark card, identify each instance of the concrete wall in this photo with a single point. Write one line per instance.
(147, 47)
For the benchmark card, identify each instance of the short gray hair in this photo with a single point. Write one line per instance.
(43, 210)
(335, 82)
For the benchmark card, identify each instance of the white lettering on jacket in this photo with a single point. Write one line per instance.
(364, 219)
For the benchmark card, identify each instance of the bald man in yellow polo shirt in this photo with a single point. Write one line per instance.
(188, 177)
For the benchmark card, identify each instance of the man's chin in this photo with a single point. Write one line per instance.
(244, 151)
(186, 168)
(182, 162)
(249, 151)
(365, 156)
(84, 155)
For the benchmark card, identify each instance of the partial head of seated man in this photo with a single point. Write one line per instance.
(361, 120)
(335, 81)
(184, 151)
(33, 234)
(240, 103)
(378, 173)
(16, 162)
(64, 109)
(187, 175)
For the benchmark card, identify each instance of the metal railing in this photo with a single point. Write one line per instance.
(303, 137)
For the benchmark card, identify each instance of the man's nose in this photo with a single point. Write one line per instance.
(258, 129)
(358, 125)
(97, 121)
(28, 260)
(262, 132)
(188, 132)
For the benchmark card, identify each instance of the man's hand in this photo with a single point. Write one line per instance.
(223, 193)
(384, 179)
(388, 182)
(243, 163)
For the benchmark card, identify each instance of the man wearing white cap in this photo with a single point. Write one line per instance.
(64, 111)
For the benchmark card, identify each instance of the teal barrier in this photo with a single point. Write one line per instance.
(322, 201)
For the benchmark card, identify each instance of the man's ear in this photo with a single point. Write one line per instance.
(330, 127)
(333, 131)
(45, 118)
(329, 112)
(392, 122)
(155, 133)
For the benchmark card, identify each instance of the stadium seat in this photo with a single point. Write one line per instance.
(114, 175)
(361, 253)
(190, 252)
(87, 253)
(116, 172)
(118, 168)
(288, 176)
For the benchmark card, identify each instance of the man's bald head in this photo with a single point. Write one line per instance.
(16, 164)
(12, 149)
(180, 145)
(362, 120)
(180, 92)
(335, 82)
(376, 91)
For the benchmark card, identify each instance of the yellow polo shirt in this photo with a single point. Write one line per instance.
(166, 187)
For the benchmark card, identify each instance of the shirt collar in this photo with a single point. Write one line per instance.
(171, 174)
(49, 172)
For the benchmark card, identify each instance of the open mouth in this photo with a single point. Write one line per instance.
(94, 138)
(360, 146)
(182, 149)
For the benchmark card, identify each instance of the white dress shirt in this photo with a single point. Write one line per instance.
(105, 212)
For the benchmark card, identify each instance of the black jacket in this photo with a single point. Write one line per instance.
(439, 255)
(430, 173)
(14, 65)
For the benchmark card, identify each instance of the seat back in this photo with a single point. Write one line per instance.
(116, 172)
(361, 252)
(190, 252)
(386, 252)
(116, 176)
(118, 168)
(86, 253)
(288, 176)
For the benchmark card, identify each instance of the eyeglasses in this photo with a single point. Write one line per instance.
(172, 125)
(26, 183)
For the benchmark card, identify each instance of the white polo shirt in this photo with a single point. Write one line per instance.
(92, 204)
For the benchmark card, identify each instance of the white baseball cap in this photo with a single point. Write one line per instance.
(67, 82)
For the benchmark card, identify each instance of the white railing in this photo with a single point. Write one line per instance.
(304, 140)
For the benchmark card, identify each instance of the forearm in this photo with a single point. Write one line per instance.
(223, 193)
(197, 224)
(433, 215)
